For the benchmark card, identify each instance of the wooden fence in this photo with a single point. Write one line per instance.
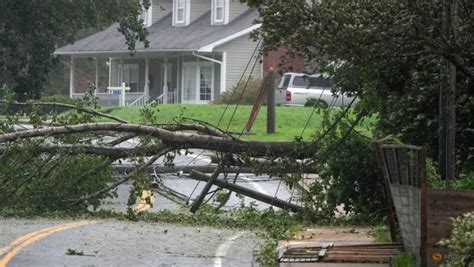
(423, 214)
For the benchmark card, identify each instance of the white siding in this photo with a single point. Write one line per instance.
(161, 8)
(239, 52)
(236, 9)
(199, 8)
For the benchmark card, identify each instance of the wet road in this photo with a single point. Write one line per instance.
(122, 243)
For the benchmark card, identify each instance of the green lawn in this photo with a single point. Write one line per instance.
(290, 121)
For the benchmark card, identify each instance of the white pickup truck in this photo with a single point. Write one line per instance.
(296, 89)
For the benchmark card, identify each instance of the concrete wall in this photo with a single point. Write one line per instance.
(239, 52)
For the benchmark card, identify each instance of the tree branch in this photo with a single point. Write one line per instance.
(68, 107)
(119, 182)
(177, 139)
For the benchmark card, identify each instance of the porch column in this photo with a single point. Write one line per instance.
(110, 71)
(147, 72)
(165, 81)
(96, 76)
(223, 71)
(71, 77)
(121, 70)
(178, 81)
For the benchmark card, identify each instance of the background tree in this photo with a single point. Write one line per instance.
(30, 31)
(389, 51)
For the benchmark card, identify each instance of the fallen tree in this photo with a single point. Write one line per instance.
(179, 139)
(72, 162)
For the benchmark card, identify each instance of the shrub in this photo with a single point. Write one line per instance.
(465, 180)
(348, 172)
(461, 242)
(249, 95)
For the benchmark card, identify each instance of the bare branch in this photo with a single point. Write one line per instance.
(69, 106)
(178, 139)
(247, 192)
(121, 139)
(194, 127)
(112, 152)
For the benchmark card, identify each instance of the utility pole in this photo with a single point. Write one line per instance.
(447, 99)
(271, 103)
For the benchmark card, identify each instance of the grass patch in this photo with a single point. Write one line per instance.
(381, 234)
(404, 259)
(290, 121)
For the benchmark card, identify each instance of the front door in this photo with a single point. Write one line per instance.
(198, 82)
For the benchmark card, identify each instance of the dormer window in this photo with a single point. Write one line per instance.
(181, 12)
(220, 12)
(180, 6)
(146, 14)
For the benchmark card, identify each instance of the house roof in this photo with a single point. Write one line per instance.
(163, 37)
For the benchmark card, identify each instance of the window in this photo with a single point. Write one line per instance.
(285, 81)
(320, 81)
(130, 77)
(198, 82)
(312, 82)
(219, 11)
(301, 81)
(205, 84)
(180, 11)
(146, 15)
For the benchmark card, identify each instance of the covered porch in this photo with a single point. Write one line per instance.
(168, 78)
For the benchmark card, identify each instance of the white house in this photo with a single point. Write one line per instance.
(197, 49)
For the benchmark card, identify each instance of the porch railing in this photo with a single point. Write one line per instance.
(141, 101)
(109, 99)
(172, 98)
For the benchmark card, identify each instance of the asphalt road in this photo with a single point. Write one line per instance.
(122, 243)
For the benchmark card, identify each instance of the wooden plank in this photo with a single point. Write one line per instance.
(421, 161)
(402, 166)
(391, 216)
(442, 205)
(390, 162)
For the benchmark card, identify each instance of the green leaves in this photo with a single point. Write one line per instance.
(36, 28)
(391, 53)
(461, 241)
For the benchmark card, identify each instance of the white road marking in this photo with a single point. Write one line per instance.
(223, 248)
(255, 185)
